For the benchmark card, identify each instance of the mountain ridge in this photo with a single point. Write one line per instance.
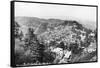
(34, 22)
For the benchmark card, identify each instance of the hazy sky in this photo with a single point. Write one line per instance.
(55, 11)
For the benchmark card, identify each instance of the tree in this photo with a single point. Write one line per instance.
(37, 49)
(32, 45)
(17, 26)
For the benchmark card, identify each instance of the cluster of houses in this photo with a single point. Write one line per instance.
(65, 35)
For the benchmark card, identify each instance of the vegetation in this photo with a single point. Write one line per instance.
(65, 42)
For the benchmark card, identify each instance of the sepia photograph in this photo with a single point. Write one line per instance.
(53, 33)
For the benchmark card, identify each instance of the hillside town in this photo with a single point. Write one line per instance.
(57, 43)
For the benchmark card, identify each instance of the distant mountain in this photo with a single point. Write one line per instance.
(30, 21)
(41, 25)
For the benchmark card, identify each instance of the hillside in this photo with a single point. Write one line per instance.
(53, 41)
